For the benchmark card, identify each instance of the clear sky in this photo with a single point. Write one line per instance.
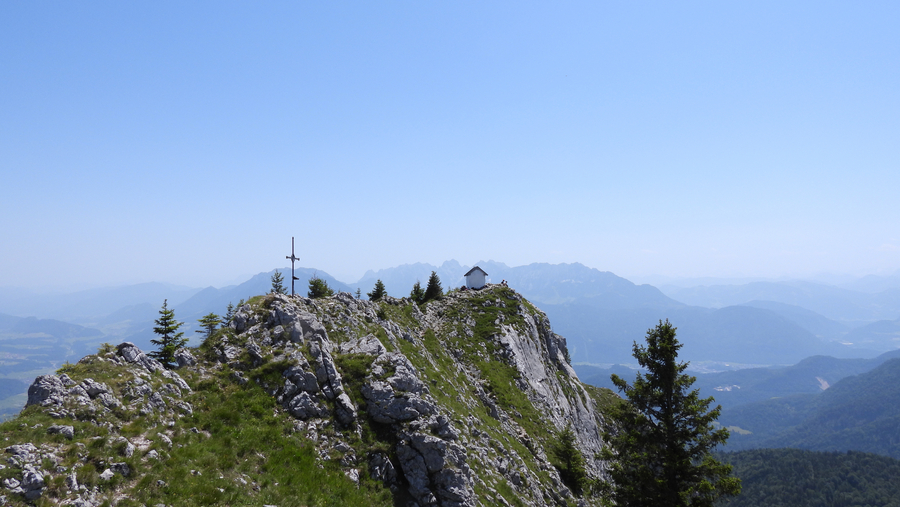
(186, 142)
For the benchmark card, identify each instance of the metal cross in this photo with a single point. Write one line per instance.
(292, 259)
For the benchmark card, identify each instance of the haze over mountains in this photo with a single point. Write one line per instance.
(601, 314)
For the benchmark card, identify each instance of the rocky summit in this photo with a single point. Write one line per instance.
(333, 401)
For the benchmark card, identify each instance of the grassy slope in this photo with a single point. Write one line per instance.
(238, 447)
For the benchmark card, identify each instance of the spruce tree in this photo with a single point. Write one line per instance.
(170, 338)
(278, 283)
(434, 289)
(229, 313)
(378, 292)
(417, 294)
(569, 461)
(209, 322)
(660, 450)
(318, 288)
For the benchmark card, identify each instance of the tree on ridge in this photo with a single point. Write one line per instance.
(417, 294)
(318, 288)
(378, 291)
(434, 289)
(660, 450)
(278, 283)
(210, 323)
(170, 338)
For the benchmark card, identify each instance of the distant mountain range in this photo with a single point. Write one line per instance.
(836, 303)
(731, 389)
(821, 404)
(599, 313)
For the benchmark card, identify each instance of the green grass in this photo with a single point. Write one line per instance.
(251, 439)
(244, 435)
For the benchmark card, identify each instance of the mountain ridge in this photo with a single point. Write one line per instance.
(454, 403)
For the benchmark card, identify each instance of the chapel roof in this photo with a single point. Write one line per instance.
(473, 270)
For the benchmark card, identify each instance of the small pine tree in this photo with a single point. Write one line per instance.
(378, 292)
(210, 323)
(318, 288)
(358, 293)
(434, 289)
(417, 294)
(278, 283)
(570, 462)
(229, 313)
(170, 338)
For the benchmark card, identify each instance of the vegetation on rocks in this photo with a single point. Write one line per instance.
(325, 401)
(378, 292)
(170, 339)
(798, 478)
(278, 283)
(209, 323)
(318, 288)
(661, 448)
(433, 290)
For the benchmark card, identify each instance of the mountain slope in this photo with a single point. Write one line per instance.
(732, 389)
(796, 478)
(333, 401)
(738, 334)
(819, 325)
(860, 413)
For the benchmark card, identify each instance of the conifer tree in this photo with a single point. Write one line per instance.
(569, 461)
(209, 322)
(318, 288)
(278, 283)
(170, 339)
(660, 452)
(378, 292)
(417, 294)
(434, 289)
(358, 293)
(229, 313)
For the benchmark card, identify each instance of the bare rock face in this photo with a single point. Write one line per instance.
(314, 392)
(46, 390)
(132, 354)
(66, 431)
(433, 444)
(398, 397)
(184, 358)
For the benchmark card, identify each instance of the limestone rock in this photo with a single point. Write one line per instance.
(132, 354)
(368, 344)
(46, 390)
(184, 358)
(66, 431)
(303, 407)
(381, 469)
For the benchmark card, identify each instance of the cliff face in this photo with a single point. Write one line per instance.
(455, 403)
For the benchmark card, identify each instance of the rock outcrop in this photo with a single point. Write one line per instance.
(457, 402)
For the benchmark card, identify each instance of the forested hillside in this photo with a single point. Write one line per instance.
(796, 478)
(860, 413)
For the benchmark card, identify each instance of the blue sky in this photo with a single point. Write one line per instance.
(187, 142)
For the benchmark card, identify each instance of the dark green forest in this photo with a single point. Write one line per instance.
(797, 478)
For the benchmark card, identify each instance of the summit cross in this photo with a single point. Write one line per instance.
(292, 258)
